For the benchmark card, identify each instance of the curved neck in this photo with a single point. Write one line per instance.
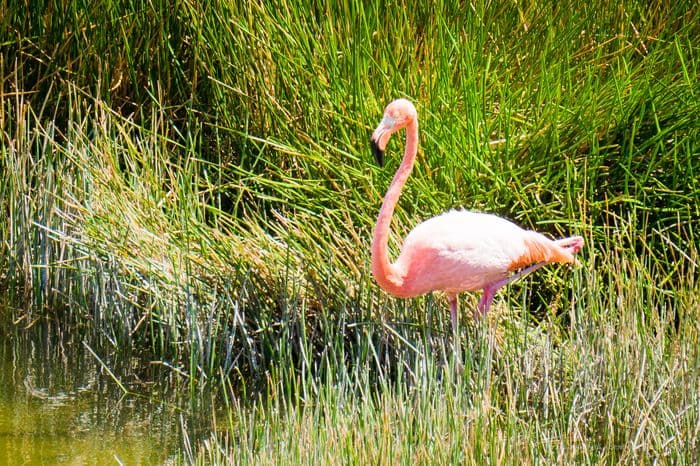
(388, 275)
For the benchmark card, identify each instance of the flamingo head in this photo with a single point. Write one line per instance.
(397, 115)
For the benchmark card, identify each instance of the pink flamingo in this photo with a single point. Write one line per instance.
(458, 250)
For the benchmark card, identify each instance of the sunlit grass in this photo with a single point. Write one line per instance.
(195, 181)
(617, 384)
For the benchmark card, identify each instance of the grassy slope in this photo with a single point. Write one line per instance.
(196, 180)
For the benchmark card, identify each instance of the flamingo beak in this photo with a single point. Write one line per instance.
(378, 153)
(380, 138)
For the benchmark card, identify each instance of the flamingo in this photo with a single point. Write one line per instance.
(459, 250)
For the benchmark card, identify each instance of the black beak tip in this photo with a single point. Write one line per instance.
(378, 153)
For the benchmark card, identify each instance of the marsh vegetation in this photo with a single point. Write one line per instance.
(193, 182)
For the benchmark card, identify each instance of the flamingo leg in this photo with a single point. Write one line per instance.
(456, 349)
(490, 290)
(485, 302)
(573, 244)
(453, 313)
(521, 273)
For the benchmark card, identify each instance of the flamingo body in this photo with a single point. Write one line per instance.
(458, 250)
(467, 251)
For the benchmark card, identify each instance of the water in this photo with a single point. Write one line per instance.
(58, 405)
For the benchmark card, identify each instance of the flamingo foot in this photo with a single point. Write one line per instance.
(573, 244)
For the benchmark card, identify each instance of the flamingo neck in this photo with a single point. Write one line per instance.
(390, 276)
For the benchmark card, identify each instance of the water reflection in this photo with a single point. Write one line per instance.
(59, 406)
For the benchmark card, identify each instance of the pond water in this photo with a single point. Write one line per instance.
(58, 404)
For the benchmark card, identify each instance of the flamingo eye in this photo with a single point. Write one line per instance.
(395, 118)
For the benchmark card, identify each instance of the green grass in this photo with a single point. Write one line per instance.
(195, 181)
